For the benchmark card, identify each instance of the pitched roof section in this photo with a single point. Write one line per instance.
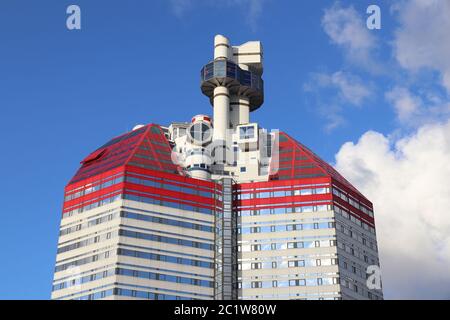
(149, 148)
(296, 161)
(146, 147)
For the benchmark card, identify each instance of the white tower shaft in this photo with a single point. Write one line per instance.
(240, 110)
(221, 112)
(221, 99)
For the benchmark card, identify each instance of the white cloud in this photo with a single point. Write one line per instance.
(416, 109)
(423, 38)
(347, 29)
(252, 8)
(346, 89)
(350, 88)
(334, 120)
(407, 180)
(333, 117)
(406, 104)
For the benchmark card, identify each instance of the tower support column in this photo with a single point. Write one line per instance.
(221, 101)
(240, 110)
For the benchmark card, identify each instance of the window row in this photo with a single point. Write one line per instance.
(280, 264)
(166, 221)
(288, 193)
(95, 186)
(288, 283)
(190, 187)
(93, 205)
(288, 245)
(78, 281)
(271, 188)
(289, 227)
(147, 295)
(170, 204)
(83, 261)
(164, 277)
(164, 239)
(359, 289)
(89, 223)
(352, 267)
(356, 253)
(360, 237)
(290, 209)
(87, 242)
(352, 202)
(131, 293)
(97, 295)
(165, 258)
(166, 186)
(344, 213)
(295, 263)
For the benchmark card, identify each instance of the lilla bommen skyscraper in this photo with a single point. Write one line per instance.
(216, 208)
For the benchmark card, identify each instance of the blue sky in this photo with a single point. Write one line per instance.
(375, 103)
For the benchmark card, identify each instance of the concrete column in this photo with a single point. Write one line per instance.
(234, 114)
(240, 110)
(221, 112)
(244, 113)
(221, 97)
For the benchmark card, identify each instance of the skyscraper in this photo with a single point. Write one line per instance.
(214, 208)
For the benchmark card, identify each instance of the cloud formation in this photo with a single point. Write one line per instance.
(406, 104)
(333, 117)
(350, 88)
(407, 180)
(347, 29)
(417, 109)
(334, 92)
(422, 40)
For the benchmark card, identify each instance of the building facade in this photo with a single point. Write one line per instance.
(217, 208)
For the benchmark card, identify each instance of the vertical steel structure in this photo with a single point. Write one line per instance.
(226, 246)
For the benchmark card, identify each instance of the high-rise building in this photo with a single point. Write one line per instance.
(214, 209)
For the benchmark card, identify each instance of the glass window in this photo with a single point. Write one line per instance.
(231, 70)
(305, 192)
(247, 132)
(220, 68)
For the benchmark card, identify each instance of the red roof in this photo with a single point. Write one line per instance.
(146, 147)
(296, 161)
